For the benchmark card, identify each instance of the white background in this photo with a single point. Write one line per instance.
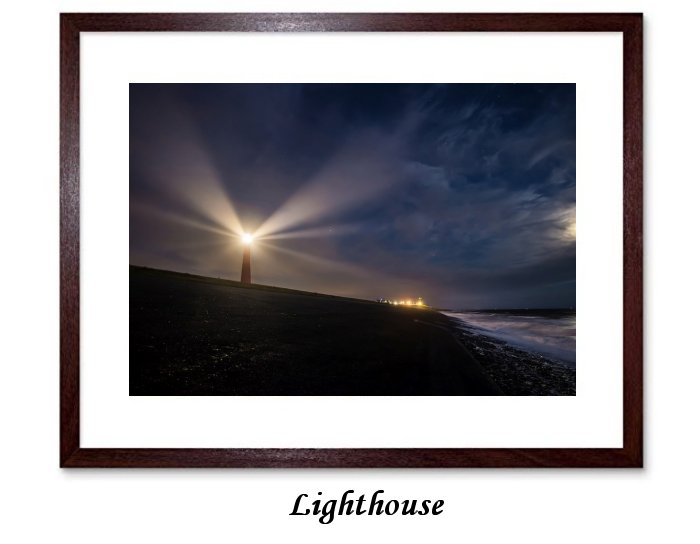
(111, 418)
(42, 503)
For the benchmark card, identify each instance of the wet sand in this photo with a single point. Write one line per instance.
(191, 335)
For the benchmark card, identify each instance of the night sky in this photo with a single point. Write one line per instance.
(463, 194)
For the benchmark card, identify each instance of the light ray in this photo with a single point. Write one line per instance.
(359, 172)
(152, 211)
(177, 165)
(328, 264)
(317, 232)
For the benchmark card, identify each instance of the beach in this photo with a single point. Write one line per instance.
(534, 362)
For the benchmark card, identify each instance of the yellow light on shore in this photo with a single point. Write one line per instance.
(409, 302)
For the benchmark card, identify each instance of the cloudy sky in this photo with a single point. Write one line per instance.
(463, 194)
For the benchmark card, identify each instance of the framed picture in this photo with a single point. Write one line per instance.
(351, 240)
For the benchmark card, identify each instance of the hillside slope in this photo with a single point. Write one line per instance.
(201, 336)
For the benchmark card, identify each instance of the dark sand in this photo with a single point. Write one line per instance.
(200, 336)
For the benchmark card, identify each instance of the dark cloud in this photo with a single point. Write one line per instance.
(463, 194)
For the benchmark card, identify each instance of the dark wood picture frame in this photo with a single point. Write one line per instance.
(72, 455)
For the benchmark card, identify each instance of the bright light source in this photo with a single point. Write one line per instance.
(247, 238)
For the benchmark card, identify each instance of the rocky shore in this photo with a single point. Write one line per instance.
(514, 371)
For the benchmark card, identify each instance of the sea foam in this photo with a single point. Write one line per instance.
(551, 334)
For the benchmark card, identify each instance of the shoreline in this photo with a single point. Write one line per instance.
(193, 335)
(515, 371)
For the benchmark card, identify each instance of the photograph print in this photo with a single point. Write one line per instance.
(352, 239)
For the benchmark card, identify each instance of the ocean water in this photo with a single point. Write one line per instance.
(551, 333)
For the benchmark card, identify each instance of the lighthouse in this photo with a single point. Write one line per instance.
(245, 269)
